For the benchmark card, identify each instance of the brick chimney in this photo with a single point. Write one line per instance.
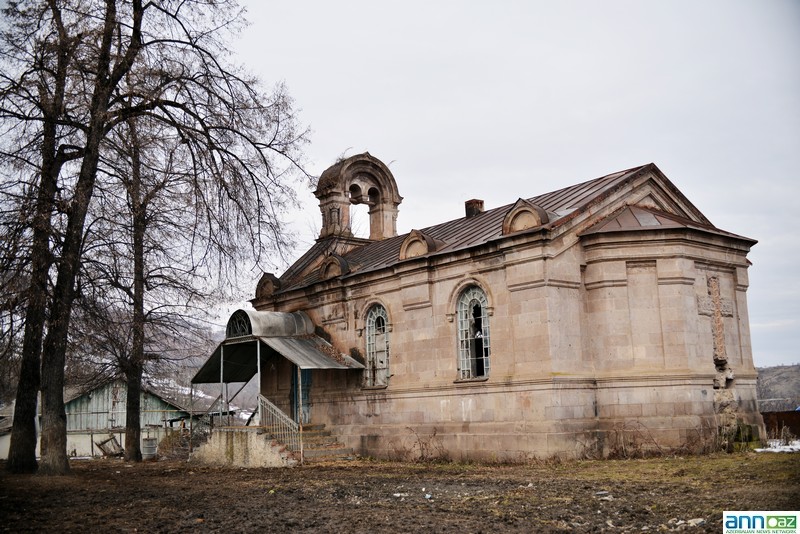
(473, 207)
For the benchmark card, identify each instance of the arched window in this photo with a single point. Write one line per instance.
(239, 325)
(473, 334)
(377, 372)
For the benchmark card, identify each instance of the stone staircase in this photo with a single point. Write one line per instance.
(319, 445)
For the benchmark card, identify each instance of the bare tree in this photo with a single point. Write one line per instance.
(13, 277)
(161, 60)
(37, 48)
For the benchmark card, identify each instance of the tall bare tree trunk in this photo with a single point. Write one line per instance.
(22, 449)
(54, 419)
(134, 369)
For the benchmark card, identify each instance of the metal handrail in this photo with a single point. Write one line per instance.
(280, 426)
(209, 413)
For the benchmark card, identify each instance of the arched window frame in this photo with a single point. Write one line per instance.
(238, 325)
(474, 341)
(376, 373)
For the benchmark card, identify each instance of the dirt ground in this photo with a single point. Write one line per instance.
(663, 494)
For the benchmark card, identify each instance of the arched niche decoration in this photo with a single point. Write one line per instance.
(359, 179)
(334, 266)
(524, 215)
(417, 243)
(267, 285)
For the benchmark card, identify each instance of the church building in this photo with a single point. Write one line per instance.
(558, 324)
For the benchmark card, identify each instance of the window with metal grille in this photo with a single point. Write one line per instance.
(377, 372)
(473, 334)
(239, 325)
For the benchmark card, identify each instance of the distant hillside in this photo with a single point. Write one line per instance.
(779, 388)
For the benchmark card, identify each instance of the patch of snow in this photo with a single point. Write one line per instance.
(171, 385)
(774, 445)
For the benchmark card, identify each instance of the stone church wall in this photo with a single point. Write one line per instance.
(597, 338)
(580, 356)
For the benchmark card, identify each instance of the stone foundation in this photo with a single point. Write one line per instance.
(242, 447)
(569, 418)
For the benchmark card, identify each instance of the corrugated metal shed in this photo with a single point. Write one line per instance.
(103, 407)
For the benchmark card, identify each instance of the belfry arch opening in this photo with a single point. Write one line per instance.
(360, 207)
(360, 221)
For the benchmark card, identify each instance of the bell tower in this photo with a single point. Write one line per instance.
(359, 179)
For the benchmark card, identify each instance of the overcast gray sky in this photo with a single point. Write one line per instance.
(500, 100)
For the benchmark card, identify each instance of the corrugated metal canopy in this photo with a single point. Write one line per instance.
(311, 352)
(240, 365)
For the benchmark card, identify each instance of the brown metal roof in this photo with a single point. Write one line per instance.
(468, 232)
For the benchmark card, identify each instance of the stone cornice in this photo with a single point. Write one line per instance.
(417, 305)
(541, 282)
(554, 383)
(676, 281)
(531, 284)
(600, 284)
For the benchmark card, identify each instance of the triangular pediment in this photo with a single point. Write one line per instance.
(650, 198)
(657, 192)
(632, 218)
(652, 202)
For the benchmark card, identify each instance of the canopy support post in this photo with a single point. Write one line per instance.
(221, 381)
(300, 409)
(258, 377)
(191, 417)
